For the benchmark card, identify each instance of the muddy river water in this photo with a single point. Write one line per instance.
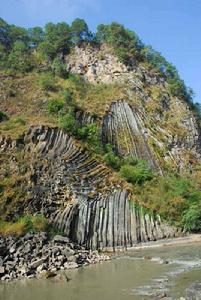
(133, 275)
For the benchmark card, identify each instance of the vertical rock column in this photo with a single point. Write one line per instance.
(110, 223)
(124, 130)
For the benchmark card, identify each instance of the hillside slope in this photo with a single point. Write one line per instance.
(101, 152)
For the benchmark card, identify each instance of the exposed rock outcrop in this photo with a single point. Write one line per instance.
(82, 197)
(110, 222)
(98, 64)
(36, 255)
(148, 117)
(79, 194)
(124, 129)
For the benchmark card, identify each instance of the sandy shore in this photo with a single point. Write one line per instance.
(192, 238)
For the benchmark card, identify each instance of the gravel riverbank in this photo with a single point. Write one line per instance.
(34, 255)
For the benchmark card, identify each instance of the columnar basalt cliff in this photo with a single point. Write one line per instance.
(123, 128)
(80, 195)
(148, 122)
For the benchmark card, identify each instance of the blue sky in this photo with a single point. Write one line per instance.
(173, 27)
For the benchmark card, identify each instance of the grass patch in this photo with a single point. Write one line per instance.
(47, 82)
(23, 225)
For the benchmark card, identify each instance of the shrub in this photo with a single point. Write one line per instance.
(3, 116)
(59, 68)
(133, 161)
(17, 229)
(111, 159)
(55, 106)
(68, 123)
(47, 82)
(136, 174)
(67, 96)
(19, 120)
(23, 225)
(75, 78)
(90, 133)
(173, 197)
(39, 223)
(191, 219)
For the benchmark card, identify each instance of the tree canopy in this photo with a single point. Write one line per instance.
(54, 41)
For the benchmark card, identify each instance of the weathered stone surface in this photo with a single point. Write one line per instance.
(165, 128)
(45, 258)
(35, 264)
(62, 190)
(123, 128)
(194, 292)
(70, 265)
(61, 239)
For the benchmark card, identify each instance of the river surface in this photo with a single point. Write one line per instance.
(129, 276)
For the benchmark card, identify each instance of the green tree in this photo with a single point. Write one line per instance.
(126, 43)
(36, 36)
(4, 34)
(18, 34)
(19, 58)
(80, 31)
(59, 68)
(57, 37)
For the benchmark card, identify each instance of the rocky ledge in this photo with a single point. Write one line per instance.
(34, 255)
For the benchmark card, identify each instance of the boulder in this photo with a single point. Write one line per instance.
(37, 263)
(70, 265)
(61, 239)
(2, 271)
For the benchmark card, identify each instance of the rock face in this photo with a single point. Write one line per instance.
(148, 122)
(94, 65)
(110, 222)
(36, 255)
(98, 64)
(81, 196)
(124, 129)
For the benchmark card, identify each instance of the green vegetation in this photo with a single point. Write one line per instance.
(39, 53)
(59, 68)
(55, 106)
(46, 82)
(68, 123)
(91, 134)
(3, 116)
(191, 219)
(136, 174)
(132, 169)
(177, 199)
(23, 225)
(23, 50)
(127, 45)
